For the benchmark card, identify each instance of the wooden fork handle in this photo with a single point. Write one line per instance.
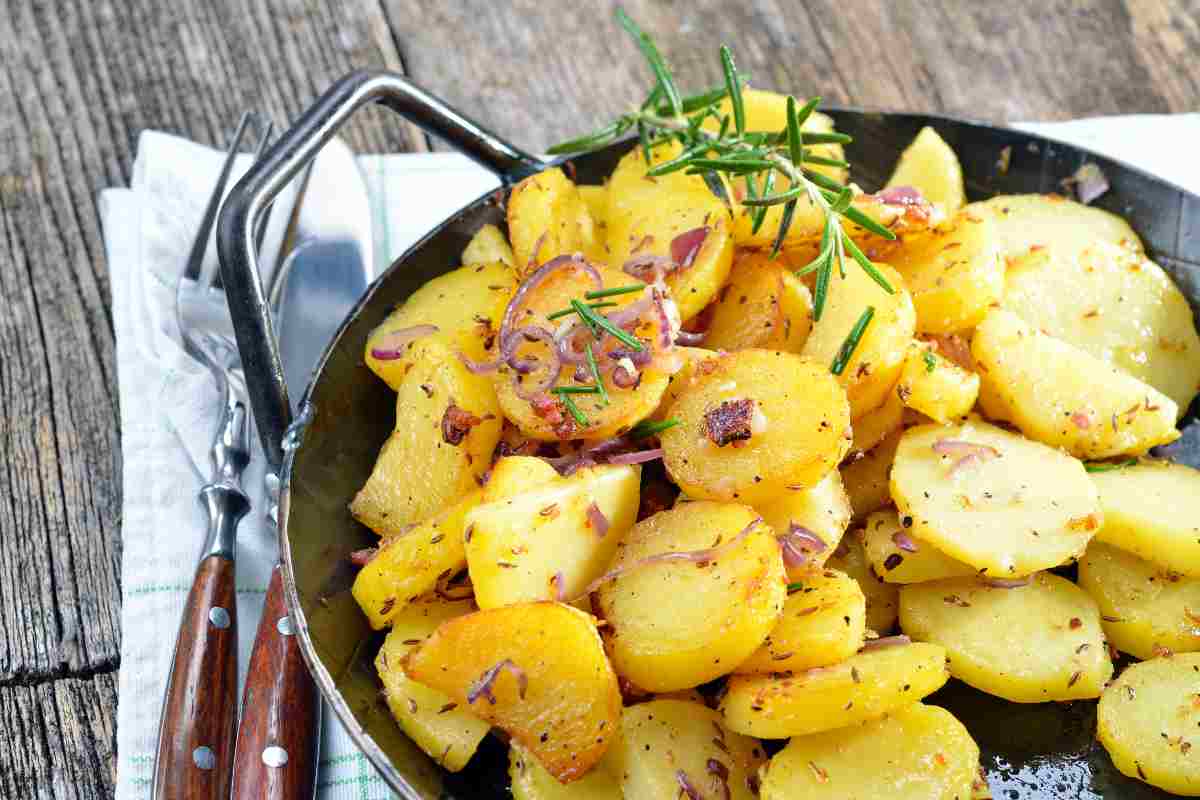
(278, 741)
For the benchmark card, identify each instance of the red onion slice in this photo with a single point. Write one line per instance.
(597, 520)
(1081, 420)
(690, 338)
(360, 558)
(797, 544)
(649, 268)
(560, 590)
(483, 686)
(959, 447)
(637, 457)
(900, 196)
(1006, 583)
(685, 786)
(665, 337)
(392, 346)
(905, 542)
(686, 246)
(623, 378)
(534, 333)
(886, 641)
(720, 774)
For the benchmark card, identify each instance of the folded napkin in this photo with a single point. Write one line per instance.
(169, 403)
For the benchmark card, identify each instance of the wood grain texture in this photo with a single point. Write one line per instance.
(79, 79)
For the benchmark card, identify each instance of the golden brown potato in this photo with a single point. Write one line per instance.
(1150, 510)
(883, 599)
(930, 166)
(487, 246)
(899, 557)
(529, 780)
(596, 200)
(823, 510)
(1028, 221)
(546, 212)
(763, 305)
(867, 479)
(675, 625)
(936, 386)
(448, 422)
(873, 427)
(754, 423)
(766, 112)
(537, 671)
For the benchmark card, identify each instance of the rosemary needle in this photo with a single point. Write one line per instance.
(596, 321)
(574, 390)
(846, 351)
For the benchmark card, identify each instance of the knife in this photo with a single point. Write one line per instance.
(314, 288)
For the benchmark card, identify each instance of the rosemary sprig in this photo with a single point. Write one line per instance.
(650, 428)
(758, 157)
(846, 351)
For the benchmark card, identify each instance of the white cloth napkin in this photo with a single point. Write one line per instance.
(168, 402)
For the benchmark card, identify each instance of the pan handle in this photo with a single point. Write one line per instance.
(284, 160)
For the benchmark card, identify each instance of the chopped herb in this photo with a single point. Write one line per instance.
(598, 293)
(852, 339)
(650, 428)
(794, 587)
(591, 360)
(930, 361)
(1108, 466)
(572, 408)
(562, 312)
(596, 321)
(574, 390)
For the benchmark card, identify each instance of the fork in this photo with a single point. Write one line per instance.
(194, 757)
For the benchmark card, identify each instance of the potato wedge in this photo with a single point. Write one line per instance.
(930, 166)
(917, 753)
(1063, 396)
(873, 427)
(883, 599)
(1149, 511)
(872, 370)
(488, 246)
(1032, 643)
(515, 475)
(865, 686)
(823, 622)
(1027, 221)
(754, 423)
(1148, 720)
(954, 272)
(529, 780)
(936, 386)
(544, 667)
(675, 626)
(447, 735)
(667, 744)
(868, 479)
(646, 217)
(448, 422)
(541, 544)
(993, 500)
(1117, 305)
(897, 556)
(1144, 608)
(479, 292)
(823, 510)
(410, 563)
(763, 305)
(546, 211)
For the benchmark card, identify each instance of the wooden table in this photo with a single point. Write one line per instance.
(79, 80)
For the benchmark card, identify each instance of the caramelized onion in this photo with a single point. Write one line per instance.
(686, 246)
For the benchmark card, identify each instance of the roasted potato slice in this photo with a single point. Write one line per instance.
(1117, 305)
(674, 625)
(936, 386)
(1029, 643)
(867, 479)
(529, 780)
(1148, 719)
(930, 166)
(449, 735)
(754, 423)
(764, 305)
(595, 198)
(669, 746)
(550, 541)
(1051, 221)
(883, 599)
(823, 622)
(993, 500)
(488, 246)
(916, 753)
(871, 371)
(546, 212)
(537, 671)
(897, 556)
(823, 510)
(1063, 396)
(448, 422)
(865, 686)
(1145, 609)
(1149, 510)
(873, 427)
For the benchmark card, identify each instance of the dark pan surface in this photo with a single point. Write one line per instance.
(1043, 751)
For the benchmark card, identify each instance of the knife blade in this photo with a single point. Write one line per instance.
(316, 285)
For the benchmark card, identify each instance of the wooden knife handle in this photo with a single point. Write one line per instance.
(279, 738)
(195, 736)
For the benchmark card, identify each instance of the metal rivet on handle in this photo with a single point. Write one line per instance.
(274, 756)
(204, 758)
(219, 617)
(284, 625)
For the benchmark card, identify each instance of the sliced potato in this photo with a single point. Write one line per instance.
(543, 665)
(863, 687)
(465, 305)
(803, 240)
(883, 599)
(675, 625)
(763, 305)
(899, 557)
(994, 500)
(872, 370)
(936, 386)
(1117, 305)
(917, 753)
(930, 166)
(823, 622)
(867, 479)
(488, 246)
(448, 734)
(1027, 221)
(1033, 643)
(541, 544)
(753, 423)
(1149, 510)
(646, 216)
(448, 423)
(529, 780)
(1063, 396)
(823, 510)
(546, 211)
(692, 367)
(954, 272)
(873, 427)
(1145, 609)
(1149, 722)
(766, 112)
(595, 198)
(665, 743)
(514, 475)
(410, 563)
